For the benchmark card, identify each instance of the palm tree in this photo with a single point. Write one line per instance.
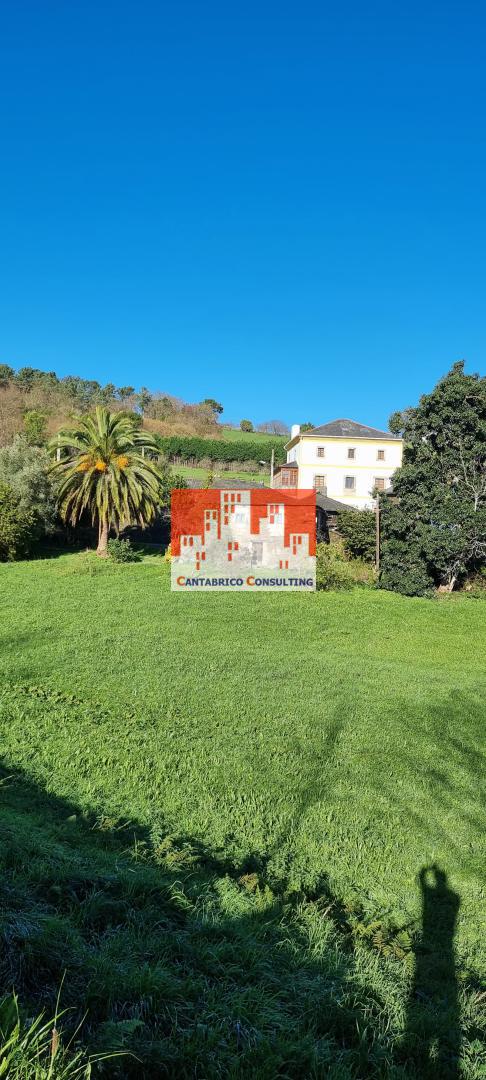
(102, 469)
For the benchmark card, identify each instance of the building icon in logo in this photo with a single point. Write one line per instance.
(240, 533)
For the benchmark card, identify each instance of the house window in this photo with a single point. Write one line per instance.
(320, 484)
(380, 455)
(289, 477)
(351, 453)
(350, 483)
(380, 483)
(321, 451)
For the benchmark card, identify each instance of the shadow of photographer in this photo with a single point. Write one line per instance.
(433, 1032)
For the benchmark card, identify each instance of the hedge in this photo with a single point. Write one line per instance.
(193, 448)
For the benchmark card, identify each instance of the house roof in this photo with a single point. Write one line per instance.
(332, 506)
(286, 465)
(349, 429)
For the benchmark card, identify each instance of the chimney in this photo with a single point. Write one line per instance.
(295, 430)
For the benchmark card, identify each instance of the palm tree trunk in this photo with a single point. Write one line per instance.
(102, 548)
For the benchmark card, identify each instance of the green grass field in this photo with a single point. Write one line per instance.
(215, 813)
(198, 473)
(235, 435)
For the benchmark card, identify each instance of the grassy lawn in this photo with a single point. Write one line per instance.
(235, 435)
(197, 473)
(216, 809)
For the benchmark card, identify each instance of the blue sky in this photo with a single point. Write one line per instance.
(278, 205)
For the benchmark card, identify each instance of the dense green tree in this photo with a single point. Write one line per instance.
(434, 526)
(246, 425)
(105, 470)
(307, 427)
(25, 469)
(358, 530)
(17, 526)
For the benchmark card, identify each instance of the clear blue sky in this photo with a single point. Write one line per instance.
(278, 205)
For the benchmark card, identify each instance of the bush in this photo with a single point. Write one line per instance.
(17, 526)
(334, 570)
(121, 551)
(358, 530)
(25, 469)
(404, 571)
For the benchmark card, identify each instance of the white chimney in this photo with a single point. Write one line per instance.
(295, 430)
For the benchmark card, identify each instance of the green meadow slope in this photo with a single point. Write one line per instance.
(216, 811)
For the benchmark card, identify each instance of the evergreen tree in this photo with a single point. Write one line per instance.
(434, 526)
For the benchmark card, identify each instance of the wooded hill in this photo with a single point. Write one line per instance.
(37, 403)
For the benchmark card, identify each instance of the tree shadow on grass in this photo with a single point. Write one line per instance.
(191, 969)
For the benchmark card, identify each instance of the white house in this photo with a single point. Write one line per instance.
(344, 460)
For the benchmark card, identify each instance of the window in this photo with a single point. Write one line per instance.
(320, 484)
(349, 483)
(351, 453)
(380, 483)
(380, 455)
(289, 477)
(321, 452)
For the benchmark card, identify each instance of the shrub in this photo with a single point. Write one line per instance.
(17, 526)
(358, 530)
(404, 571)
(121, 551)
(35, 427)
(332, 572)
(335, 570)
(25, 469)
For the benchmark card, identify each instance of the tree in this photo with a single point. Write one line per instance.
(144, 398)
(35, 427)
(434, 527)
(274, 427)
(215, 406)
(26, 377)
(17, 530)
(125, 392)
(103, 472)
(6, 375)
(246, 425)
(107, 393)
(307, 427)
(358, 530)
(25, 469)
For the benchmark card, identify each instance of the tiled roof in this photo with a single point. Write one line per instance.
(332, 505)
(350, 429)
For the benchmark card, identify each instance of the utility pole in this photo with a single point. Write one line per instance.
(377, 518)
(272, 466)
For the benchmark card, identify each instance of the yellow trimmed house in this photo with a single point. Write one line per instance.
(344, 460)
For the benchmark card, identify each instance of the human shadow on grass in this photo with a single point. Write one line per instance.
(191, 967)
(447, 811)
(433, 1031)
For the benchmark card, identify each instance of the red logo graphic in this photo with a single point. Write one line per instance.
(242, 537)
